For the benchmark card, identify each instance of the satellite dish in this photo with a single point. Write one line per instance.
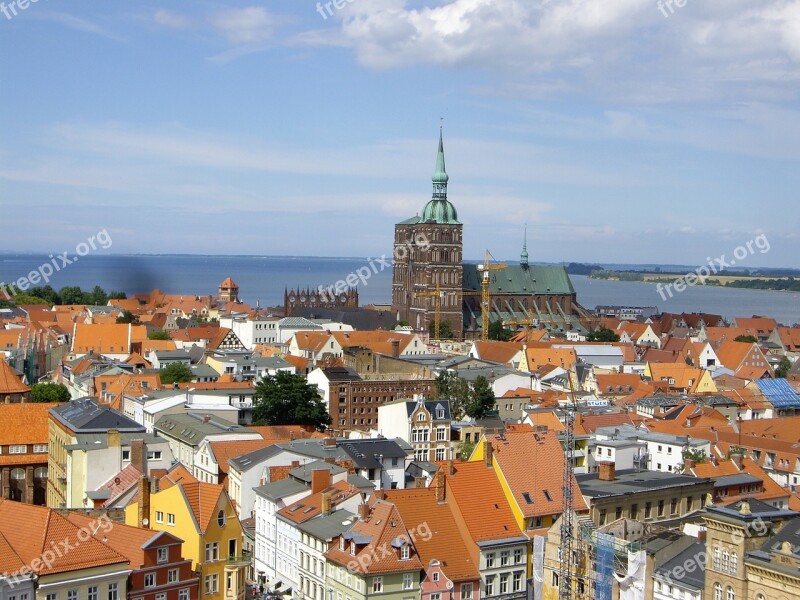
(145, 522)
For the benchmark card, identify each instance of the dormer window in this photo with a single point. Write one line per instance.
(352, 548)
(405, 552)
(341, 543)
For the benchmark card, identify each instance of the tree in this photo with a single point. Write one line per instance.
(749, 339)
(49, 392)
(288, 399)
(451, 387)
(117, 296)
(604, 334)
(127, 317)
(481, 400)
(176, 372)
(445, 330)
(464, 449)
(46, 293)
(71, 295)
(498, 332)
(23, 299)
(98, 296)
(158, 334)
(783, 369)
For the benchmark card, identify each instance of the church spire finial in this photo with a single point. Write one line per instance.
(523, 259)
(440, 176)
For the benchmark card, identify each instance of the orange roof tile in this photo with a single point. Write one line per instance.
(24, 423)
(10, 383)
(499, 352)
(311, 506)
(30, 530)
(487, 514)
(538, 357)
(203, 498)
(419, 507)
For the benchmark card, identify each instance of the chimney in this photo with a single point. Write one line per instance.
(329, 442)
(363, 511)
(688, 465)
(701, 536)
(114, 439)
(737, 460)
(487, 452)
(320, 479)
(326, 504)
(144, 502)
(451, 467)
(395, 348)
(295, 464)
(206, 418)
(138, 455)
(608, 471)
(419, 482)
(441, 478)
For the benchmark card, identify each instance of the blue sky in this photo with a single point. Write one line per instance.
(618, 134)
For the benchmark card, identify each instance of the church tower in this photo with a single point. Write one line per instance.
(427, 252)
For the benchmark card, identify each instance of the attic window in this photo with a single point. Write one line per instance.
(527, 497)
(294, 508)
(547, 495)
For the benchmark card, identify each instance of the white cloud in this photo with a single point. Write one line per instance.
(171, 20)
(250, 25)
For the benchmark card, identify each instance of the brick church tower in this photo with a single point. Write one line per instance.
(427, 252)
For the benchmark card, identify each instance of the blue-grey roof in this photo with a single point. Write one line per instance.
(86, 415)
(251, 459)
(304, 473)
(281, 489)
(779, 392)
(297, 323)
(192, 428)
(628, 481)
(674, 569)
(327, 527)
(737, 479)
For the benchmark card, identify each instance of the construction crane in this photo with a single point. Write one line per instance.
(437, 304)
(485, 268)
(568, 533)
(528, 321)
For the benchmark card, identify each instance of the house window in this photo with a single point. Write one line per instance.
(504, 558)
(517, 556)
(170, 519)
(490, 586)
(161, 596)
(72, 594)
(377, 585)
(440, 453)
(52, 597)
(113, 591)
(91, 593)
(725, 561)
(126, 455)
(40, 448)
(660, 508)
(183, 594)
(435, 576)
(154, 455)
(490, 560)
(405, 552)
(172, 575)
(159, 516)
(17, 449)
(221, 518)
(466, 591)
(408, 581)
(504, 583)
(673, 506)
(734, 563)
(212, 584)
(212, 551)
(162, 555)
(730, 594)
(150, 580)
(440, 434)
(517, 584)
(648, 507)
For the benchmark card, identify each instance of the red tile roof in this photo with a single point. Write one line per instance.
(24, 423)
(10, 383)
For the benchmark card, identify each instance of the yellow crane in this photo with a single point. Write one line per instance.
(437, 304)
(486, 268)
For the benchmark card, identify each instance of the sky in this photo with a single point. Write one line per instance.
(619, 131)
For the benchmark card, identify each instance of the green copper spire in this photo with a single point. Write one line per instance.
(439, 209)
(523, 259)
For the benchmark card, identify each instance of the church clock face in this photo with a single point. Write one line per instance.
(343, 298)
(302, 299)
(312, 298)
(292, 299)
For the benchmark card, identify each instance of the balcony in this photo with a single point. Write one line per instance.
(239, 561)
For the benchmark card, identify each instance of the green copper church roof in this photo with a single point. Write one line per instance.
(516, 279)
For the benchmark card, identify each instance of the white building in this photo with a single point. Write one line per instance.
(633, 447)
(424, 424)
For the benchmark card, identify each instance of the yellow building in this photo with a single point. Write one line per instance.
(203, 516)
